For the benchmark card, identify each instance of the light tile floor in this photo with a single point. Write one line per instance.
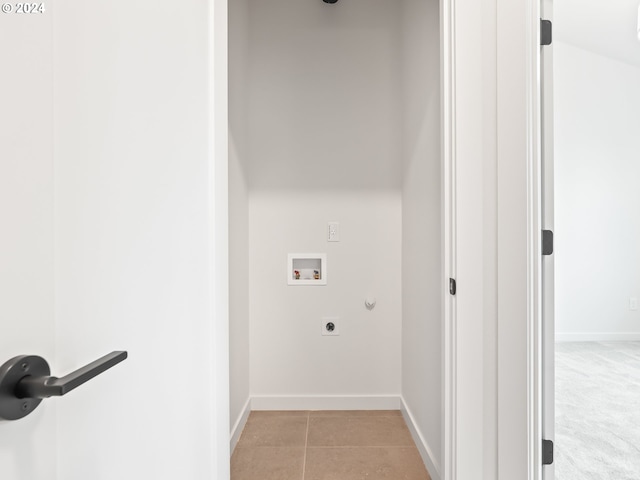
(327, 445)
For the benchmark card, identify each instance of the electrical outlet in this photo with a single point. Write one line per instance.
(330, 326)
(633, 303)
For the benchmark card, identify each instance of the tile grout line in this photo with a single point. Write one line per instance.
(306, 442)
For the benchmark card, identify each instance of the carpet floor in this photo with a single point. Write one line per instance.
(597, 411)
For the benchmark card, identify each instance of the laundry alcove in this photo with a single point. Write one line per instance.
(334, 116)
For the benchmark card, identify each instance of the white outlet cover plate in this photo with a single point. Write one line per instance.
(335, 321)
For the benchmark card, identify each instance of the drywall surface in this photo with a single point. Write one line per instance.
(238, 286)
(26, 230)
(597, 199)
(610, 32)
(324, 94)
(133, 240)
(324, 144)
(289, 356)
(421, 222)
(238, 214)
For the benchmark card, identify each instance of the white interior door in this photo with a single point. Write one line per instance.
(107, 239)
(548, 321)
(26, 229)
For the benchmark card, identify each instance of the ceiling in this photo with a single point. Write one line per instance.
(606, 27)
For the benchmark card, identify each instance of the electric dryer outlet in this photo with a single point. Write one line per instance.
(330, 326)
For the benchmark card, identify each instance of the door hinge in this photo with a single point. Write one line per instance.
(452, 286)
(547, 452)
(547, 242)
(546, 32)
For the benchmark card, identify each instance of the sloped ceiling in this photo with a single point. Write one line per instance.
(605, 27)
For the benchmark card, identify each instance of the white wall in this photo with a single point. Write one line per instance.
(26, 230)
(323, 145)
(597, 198)
(324, 94)
(289, 356)
(422, 283)
(238, 213)
(132, 239)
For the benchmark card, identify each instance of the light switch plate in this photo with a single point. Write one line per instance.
(333, 233)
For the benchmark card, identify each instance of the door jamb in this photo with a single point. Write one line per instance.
(447, 33)
(517, 133)
(519, 241)
(463, 162)
(548, 262)
(218, 122)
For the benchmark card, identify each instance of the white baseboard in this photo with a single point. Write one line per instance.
(236, 431)
(326, 402)
(428, 458)
(598, 337)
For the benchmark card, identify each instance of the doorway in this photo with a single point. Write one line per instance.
(335, 118)
(596, 70)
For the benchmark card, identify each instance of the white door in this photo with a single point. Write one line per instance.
(26, 230)
(107, 239)
(548, 327)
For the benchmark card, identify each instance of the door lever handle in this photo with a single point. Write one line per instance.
(45, 386)
(25, 380)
